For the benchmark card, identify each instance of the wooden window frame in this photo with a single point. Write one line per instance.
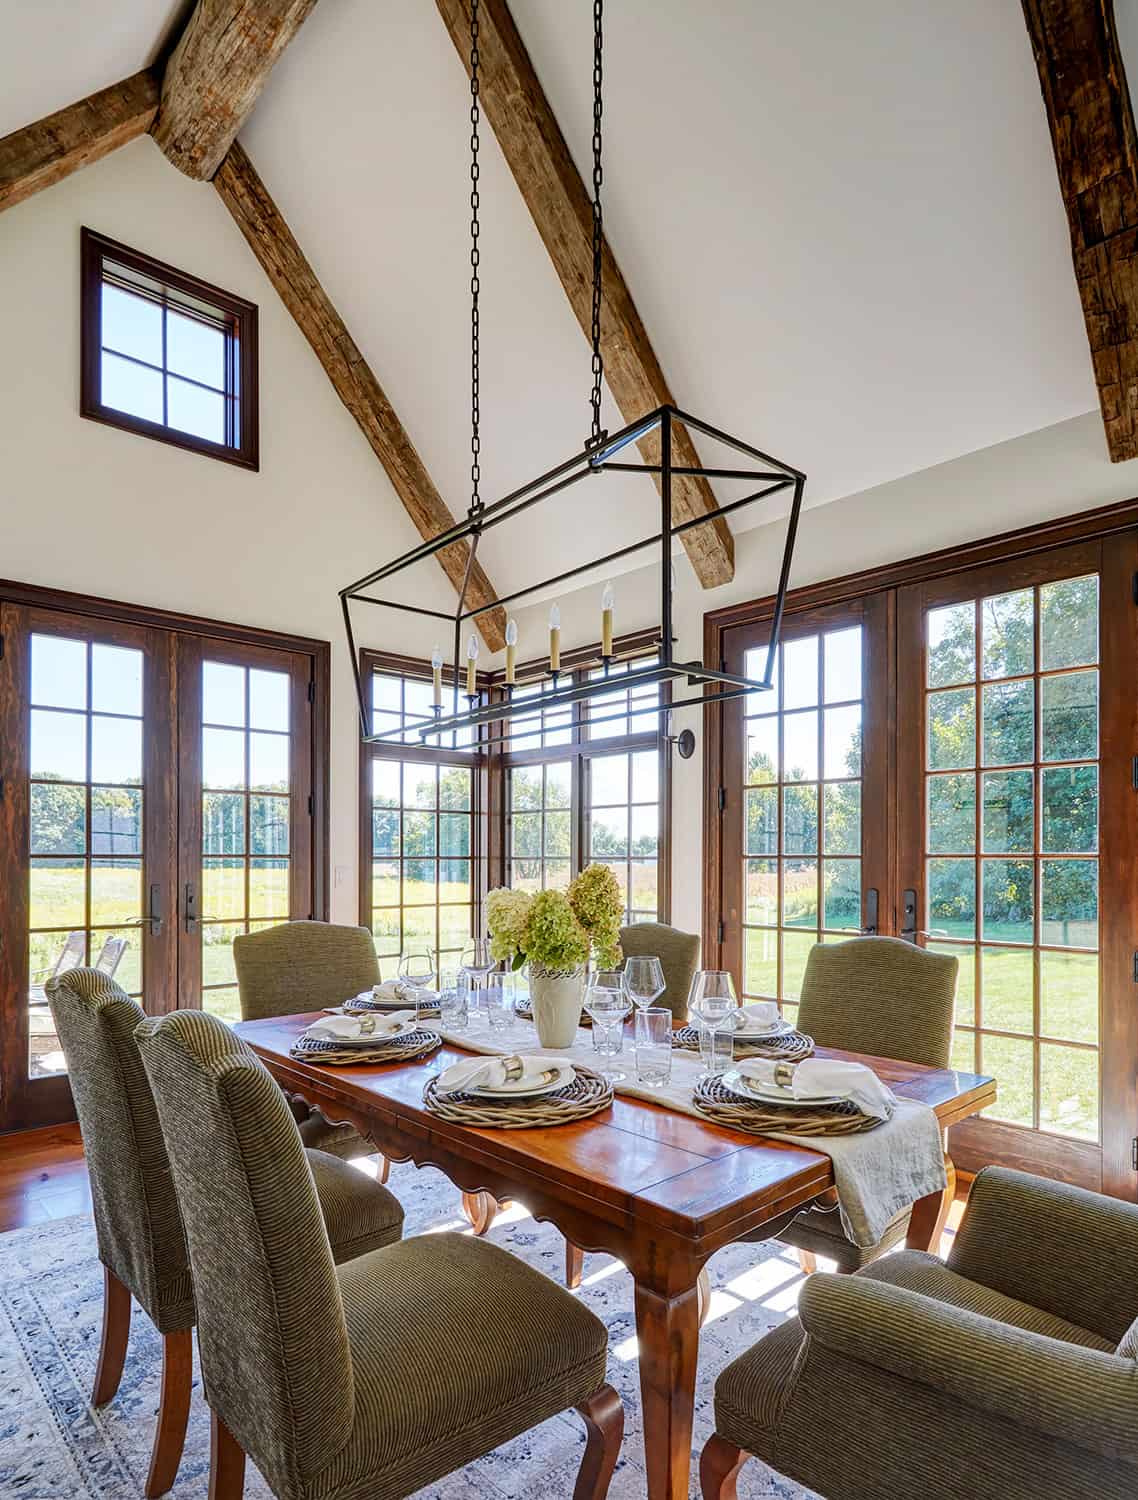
(95, 250)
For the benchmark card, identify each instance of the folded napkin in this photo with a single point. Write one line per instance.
(761, 1015)
(822, 1077)
(360, 1028)
(490, 1072)
(407, 994)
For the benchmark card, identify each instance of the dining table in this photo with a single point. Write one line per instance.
(660, 1190)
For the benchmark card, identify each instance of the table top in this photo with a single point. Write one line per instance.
(692, 1178)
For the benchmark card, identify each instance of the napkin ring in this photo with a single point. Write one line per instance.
(514, 1069)
(367, 1025)
(784, 1074)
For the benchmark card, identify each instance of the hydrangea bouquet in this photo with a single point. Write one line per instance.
(558, 931)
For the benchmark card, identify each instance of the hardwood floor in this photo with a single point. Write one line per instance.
(42, 1176)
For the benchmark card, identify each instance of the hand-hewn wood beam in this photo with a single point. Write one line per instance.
(53, 148)
(535, 149)
(262, 224)
(215, 74)
(1092, 131)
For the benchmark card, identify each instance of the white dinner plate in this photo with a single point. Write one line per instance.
(780, 1028)
(522, 1090)
(773, 1093)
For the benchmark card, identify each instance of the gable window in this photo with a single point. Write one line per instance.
(167, 355)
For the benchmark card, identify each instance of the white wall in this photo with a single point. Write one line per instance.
(90, 508)
(1054, 472)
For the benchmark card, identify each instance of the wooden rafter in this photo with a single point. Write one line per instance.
(533, 145)
(216, 73)
(273, 243)
(48, 151)
(1092, 132)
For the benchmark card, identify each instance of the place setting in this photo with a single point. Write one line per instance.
(517, 1091)
(413, 986)
(396, 1036)
(756, 1030)
(817, 1096)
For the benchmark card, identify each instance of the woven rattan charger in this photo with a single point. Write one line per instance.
(792, 1046)
(725, 1107)
(401, 1048)
(360, 1005)
(587, 1095)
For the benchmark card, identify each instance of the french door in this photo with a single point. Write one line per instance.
(953, 762)
(155, 799)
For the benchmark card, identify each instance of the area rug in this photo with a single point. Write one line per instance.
(54, 1446)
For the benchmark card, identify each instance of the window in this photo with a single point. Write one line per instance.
(167, 355)
(422, 846)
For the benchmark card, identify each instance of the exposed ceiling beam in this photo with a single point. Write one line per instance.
(539, 158)
(1092, 131)
(53, 148)
(262, 224)
(216, 73)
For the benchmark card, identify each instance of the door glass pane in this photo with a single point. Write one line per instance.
(1028, 1003)
(801, 808)
(85, 839)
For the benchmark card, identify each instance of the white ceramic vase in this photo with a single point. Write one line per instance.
(556, 996)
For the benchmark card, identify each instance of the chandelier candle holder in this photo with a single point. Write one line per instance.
(656, 435)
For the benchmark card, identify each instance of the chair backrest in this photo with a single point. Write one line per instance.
(302, 966)
(883, 996)
(678, 953)
(274, 1345)
(137, 1221)
(110, 955)
(72, 953)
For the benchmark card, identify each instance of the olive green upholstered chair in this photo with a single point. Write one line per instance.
(141, 1240)
(887, 998)
(302, 966)
(1009, 1373)
(678, 953)
(367, 1382)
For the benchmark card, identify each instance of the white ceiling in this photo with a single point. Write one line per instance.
(840, 222)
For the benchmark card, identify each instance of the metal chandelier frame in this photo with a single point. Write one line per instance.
(594, 458)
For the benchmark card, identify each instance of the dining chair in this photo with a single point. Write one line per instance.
(1010, 1371)
(370, 1381)
(678, 953)
(887, 998)
(140, 1236)
(301, 966)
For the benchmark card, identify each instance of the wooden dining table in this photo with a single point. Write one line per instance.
(660, 1190)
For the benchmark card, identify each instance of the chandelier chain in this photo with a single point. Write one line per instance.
(598, 222)
(475, 412)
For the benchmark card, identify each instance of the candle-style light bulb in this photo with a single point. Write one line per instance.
(437, 676)
(471, 665)
(608, 599)
(511, 652)
(555, 639)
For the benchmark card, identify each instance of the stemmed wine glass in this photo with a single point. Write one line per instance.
(477, 963)
(416, 973)
(608, 1006)
(712, 998)
(643, 980)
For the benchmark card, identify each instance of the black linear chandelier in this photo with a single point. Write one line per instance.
(599, 455)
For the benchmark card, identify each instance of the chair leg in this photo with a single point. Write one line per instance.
(808, 1262)
(226, 1462)
(116, 1332)
(480, 1209)
(603, 1415)
(173, 1411)
(574, 1265)
(719, 1466)
(703, 1295)
(946, 1203)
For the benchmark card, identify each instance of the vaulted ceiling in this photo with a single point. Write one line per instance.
(840, 224)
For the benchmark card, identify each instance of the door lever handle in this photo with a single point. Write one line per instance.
(870, 928)
(909, 916)
(190, 908)
(154, 913)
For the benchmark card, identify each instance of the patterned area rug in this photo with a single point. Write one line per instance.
(53, 1446)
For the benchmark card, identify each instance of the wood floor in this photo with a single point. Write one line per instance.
(42, 1176)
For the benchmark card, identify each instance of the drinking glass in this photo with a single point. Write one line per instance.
(496, 999)
(653, 1046)
(712, 999)
(454, 1000)
(476, 958)
(643, 980)
(416, 974)
(608, 1008)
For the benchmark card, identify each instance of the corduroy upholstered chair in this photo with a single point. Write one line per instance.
(369, 1382)
(678, 953)
(1008, 1374)
(141, 1241)
(298, 967)
(887, 998)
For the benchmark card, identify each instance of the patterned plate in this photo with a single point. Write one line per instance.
(793, 1046)
(409, 1044)
(360, 1004)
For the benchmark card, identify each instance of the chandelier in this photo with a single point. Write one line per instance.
(601, 453)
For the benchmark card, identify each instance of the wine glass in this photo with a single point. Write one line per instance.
(643, 980)
(416, 972)
(477, 964)
(712, 998)
(608, 1005)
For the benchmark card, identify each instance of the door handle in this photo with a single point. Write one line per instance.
(870, 928)
(909, 916)
(190, 907)
(154, 913)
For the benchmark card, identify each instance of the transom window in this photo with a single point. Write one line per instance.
(167, 355)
